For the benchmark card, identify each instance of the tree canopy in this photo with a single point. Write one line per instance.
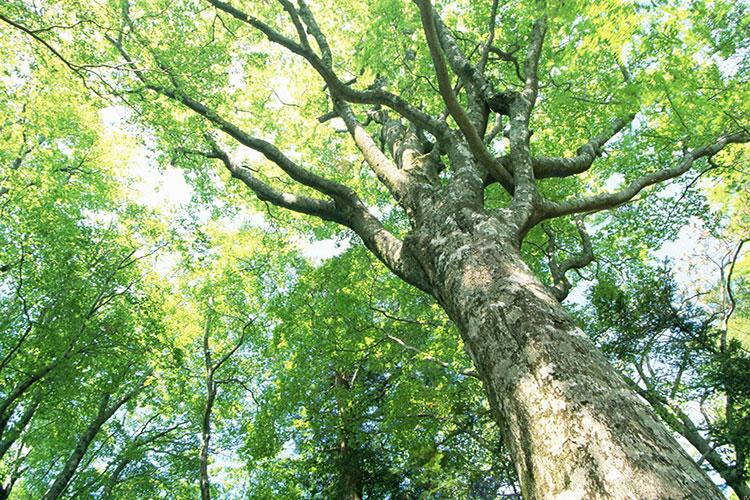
(468, 249)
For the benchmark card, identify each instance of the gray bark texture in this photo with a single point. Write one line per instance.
(576, 430)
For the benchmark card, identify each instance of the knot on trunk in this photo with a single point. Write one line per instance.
(500, 102)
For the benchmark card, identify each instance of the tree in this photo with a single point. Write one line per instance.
(107, 408)
(674, 352)
(368, 395)
(79, 320)
(464, 197)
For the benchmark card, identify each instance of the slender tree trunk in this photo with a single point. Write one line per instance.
(350, 485)
(8, 404)
(105, 412)
(211, 389)
(574, 427)
(114, 478)
(206, 438)
(15, 432)
(71, 465)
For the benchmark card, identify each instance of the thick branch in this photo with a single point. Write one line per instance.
(606, 201)
(350, 213)
(271, 152)
(315, 31)
(289, 8)
(389, 249)
(323, 209)
(478, 89)
(531, 63)
(475, 143)
(559, 271)
(523, 205)
(393, 178)
(302, 204)
(546, 167)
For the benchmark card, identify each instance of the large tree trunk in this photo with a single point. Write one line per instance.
(574, 427)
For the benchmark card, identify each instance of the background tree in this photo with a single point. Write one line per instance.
(367, 395)
(677, 353)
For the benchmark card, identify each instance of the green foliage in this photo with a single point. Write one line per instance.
(335, 369)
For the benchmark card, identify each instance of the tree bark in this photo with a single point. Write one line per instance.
(206, 438)
(576, 430)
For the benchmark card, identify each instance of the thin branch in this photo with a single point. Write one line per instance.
(562, 285)
(490, 37)
(509, 56)
(429, 357)
(730, 293)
